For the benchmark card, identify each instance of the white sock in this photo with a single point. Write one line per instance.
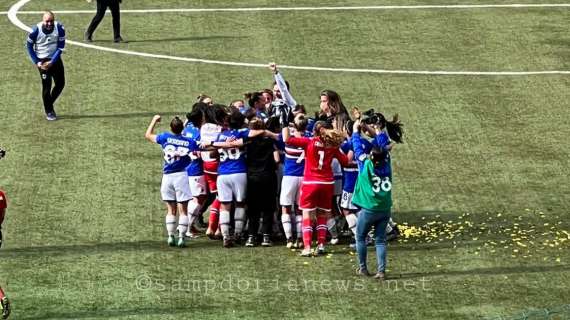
(299, 226)
(225, 223)
(170, 224)
(193, 211)
(182, 225)
(331, 225)
(286, 221)
(351, 220)
(239, 216)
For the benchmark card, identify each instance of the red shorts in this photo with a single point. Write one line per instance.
(211, 175)
(316, 196)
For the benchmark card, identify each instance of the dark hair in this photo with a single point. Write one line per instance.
(254, 98)
(256, 124)
(377, 156)
(236, 120)
(216, 114)
(337, 110)
(197, 115)
(394, 127)
(301, 122)
(176, 125)
(273, 124)
(268, 91)
(300, 108)
(202, 98)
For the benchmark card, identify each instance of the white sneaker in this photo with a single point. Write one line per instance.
(334, 241)
(321, 249)
(289, 243)
(306, 252)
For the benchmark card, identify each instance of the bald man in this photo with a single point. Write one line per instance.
(45, 45)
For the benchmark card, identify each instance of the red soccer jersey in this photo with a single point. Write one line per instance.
(318, 159)
(3, 200)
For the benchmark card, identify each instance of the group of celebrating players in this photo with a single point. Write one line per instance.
(243, 159)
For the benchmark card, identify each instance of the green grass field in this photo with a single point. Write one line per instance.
(482, 180)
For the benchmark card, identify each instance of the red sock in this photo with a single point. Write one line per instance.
(322, 229)
(307, 232)
(214, 215)
(2, 294)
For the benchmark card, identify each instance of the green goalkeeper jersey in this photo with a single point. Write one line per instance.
(372, 192)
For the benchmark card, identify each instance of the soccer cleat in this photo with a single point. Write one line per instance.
(266, 241)
(306, 252)
(250, 242)
(334, 241)
(228, 243)
(51, 116)
(87, 37)
(119, 39)
(362, 272)
(171, 241)
(289, 243)
(298, 244)
(5, 305)
(191, 235)
(321, 249)
(380, 276)
(181, 242)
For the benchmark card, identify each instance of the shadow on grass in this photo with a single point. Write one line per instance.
(105, 314)
(485, 271)
(96, 248)
(119, 115)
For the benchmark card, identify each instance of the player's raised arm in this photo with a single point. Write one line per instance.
(149, 134)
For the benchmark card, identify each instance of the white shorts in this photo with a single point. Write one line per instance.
(346, 201)
(175, 187)
(337, 186)
(232, 187)
(197, 185)
(290, 190)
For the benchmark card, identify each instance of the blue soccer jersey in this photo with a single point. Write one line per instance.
(359, 145)
(195, 167)
(232, 160)
(176, 150)
(350, 173)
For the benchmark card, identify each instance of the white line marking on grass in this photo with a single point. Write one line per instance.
(401, 7)
(14, 10)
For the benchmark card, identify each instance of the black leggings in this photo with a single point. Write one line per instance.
(261, 203)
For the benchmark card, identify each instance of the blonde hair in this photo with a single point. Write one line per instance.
(330, 137)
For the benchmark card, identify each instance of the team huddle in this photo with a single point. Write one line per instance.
(246, 159)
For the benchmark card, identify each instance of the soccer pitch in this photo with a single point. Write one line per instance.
(481, 182)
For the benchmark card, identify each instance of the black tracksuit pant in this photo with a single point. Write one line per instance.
(49, 95)
(102, 6)
(261, 202)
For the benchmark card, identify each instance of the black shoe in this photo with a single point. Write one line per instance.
(5, 305)
(119, 39)
(266, 241)
(250, 242)
(394, 234)
(228, 243)
(88, 37)
(201, 223)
